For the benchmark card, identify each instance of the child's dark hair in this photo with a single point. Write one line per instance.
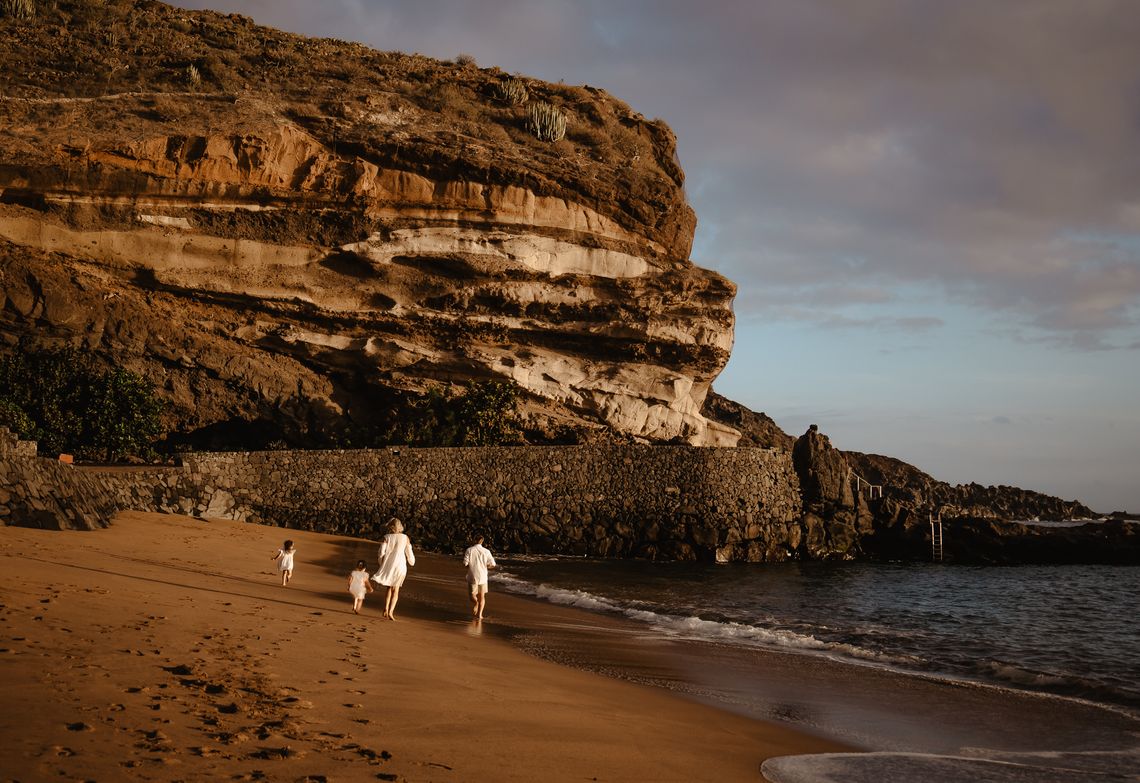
(288, 544)
(361, 565)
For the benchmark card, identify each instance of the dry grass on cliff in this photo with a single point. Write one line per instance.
(390, 107)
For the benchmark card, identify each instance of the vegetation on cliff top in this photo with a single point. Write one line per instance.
(187, 72)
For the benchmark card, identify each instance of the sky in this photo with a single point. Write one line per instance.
(931, 209)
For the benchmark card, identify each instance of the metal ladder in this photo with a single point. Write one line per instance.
(936, 538)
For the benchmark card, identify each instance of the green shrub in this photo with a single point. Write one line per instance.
(76, 407)
(13, 417)
(512, 91)
(546, 121)
(485, 414)
(123, 415)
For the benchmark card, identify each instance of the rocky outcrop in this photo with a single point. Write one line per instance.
(835, 519)
(864, 506)
(902, 534)
(287, 253)
(907, 485)
(756, 429)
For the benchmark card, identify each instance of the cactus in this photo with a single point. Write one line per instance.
(511, 91)
(546, 122)
(19, 9)
(193, 76)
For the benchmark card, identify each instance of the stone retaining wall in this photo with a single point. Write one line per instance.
(46, 493)
(675, 502)
(614, 501)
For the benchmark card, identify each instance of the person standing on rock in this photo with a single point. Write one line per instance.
(394, 557)
(478, 560)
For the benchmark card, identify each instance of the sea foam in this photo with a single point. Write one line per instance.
(695, 628)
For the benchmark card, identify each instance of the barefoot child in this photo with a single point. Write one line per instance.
(358, 585)
(478, 560)
(284, 558)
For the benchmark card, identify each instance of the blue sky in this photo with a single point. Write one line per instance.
(931, 209)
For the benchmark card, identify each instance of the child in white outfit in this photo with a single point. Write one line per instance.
(284, 558)
(478, 560)
(359, 585)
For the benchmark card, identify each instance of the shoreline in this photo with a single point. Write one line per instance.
(164, 646)
(866, 706)
(870, 705)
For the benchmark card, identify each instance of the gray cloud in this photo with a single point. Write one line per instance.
(911, 325)
(837, 151)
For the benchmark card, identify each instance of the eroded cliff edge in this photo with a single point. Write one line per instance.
(287, 235)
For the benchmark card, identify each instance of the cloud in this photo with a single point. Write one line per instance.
(911, 325)
(1005, 420)
(985, 151)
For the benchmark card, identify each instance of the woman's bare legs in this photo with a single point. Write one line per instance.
(390, 602)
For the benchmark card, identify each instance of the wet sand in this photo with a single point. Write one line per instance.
(164, 648)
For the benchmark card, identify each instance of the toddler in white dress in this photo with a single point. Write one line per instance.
(359, 585)
(284, 558)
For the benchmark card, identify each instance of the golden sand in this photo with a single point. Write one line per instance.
(164, 648)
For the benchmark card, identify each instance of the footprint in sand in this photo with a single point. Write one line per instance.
(204, 752)
(285, 752)
(80, 726)
(293, 701)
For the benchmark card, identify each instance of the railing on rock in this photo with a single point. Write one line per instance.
(874, 491)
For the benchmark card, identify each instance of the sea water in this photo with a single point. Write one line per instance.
(1067, 633)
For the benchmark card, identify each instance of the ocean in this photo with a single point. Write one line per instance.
(1031, 671)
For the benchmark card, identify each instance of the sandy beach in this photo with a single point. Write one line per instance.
(164, 648)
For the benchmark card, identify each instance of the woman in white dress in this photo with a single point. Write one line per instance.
(394, 557)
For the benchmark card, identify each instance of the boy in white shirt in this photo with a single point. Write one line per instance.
(478, 560)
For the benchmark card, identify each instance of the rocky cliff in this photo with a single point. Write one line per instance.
(289, 235)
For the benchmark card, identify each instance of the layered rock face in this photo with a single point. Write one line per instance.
(289, 263)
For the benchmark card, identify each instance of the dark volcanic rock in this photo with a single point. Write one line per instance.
(909, 486)
(823, 472)
(906, 536)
